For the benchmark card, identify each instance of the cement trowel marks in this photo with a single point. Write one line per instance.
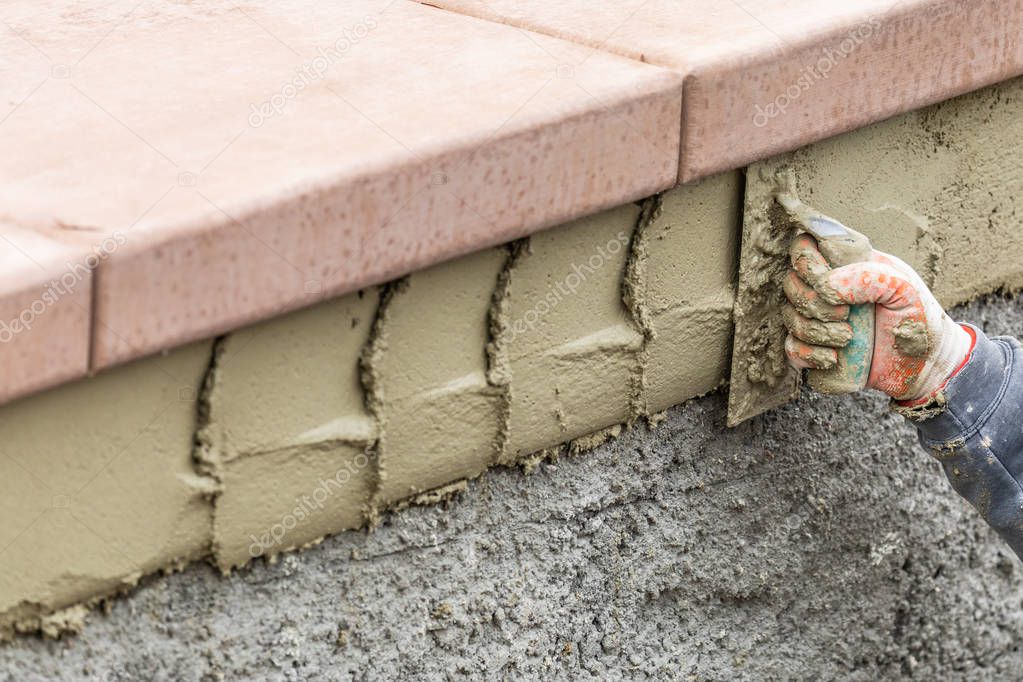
(569, 337)
(285, 430)
(426, 375)
(681, 277)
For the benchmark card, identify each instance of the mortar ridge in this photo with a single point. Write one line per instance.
(207, 457)
(499, 372)
(372, 390)
(633, 289)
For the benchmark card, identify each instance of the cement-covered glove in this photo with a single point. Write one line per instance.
(917, 347)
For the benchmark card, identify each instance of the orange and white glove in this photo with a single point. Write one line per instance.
(917, 346)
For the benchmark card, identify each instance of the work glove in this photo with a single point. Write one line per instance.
(917, 346)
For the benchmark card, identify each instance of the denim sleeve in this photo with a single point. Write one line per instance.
(974, 427)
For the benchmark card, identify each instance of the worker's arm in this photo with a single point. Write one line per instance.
(962, 390)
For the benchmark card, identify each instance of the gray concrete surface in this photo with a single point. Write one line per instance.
(817, 542)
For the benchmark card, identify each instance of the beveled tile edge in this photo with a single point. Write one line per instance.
(45, 317)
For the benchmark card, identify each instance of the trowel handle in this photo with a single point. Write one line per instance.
(853, 368)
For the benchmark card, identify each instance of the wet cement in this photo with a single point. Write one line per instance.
(687, 552)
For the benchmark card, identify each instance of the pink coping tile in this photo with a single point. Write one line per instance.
(45, 290)
(771, 76)
(250, 160)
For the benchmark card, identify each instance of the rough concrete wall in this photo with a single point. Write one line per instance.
(444, 373)
(313, 423)
(799, 546)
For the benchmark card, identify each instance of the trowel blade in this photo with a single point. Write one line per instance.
(761, 378)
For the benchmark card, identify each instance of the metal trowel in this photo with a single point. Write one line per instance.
(761, 377)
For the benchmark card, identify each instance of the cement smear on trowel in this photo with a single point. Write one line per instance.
(761, 378)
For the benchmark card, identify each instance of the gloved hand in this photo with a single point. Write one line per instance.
(917, 347)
